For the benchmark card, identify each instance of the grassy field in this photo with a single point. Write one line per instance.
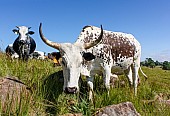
(47, 97)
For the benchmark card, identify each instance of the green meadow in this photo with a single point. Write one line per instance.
(47, 99)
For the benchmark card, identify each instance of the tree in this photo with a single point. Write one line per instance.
(157, 63)
(149, 63)
(166, 65)
(142, 63)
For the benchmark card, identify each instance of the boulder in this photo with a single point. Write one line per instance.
(12, 92)
(160, 98)
(76, 114)
(122, 109)
(113, 79)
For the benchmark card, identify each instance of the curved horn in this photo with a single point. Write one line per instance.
(89, 45)
(29, 27)
(48, 42)
(17, 27)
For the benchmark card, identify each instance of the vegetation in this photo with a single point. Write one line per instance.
(166, 65)
(149, 62)
(46, 83)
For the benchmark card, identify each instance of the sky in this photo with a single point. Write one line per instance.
(63, 20)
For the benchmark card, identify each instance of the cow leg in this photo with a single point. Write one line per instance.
(27, 52)
(20, 55)
(106, 77)
(135, 77)
(90, 85)
(27, 56)
(128, 74)
(20, 52)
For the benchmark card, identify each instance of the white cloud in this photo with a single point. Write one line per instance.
(161, 56)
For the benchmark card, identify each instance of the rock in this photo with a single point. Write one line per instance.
(167, 102)
(12, 92)
(122, 109)
(113, 79)
(122, 83)
(159, 98)
(76, 114)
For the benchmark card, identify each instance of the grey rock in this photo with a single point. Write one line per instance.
(122, 109)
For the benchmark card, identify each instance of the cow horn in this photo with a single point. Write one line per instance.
(89, 45)
(17, 27)
(48, 42)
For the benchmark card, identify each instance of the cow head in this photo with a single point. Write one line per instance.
(72, 56)
(23, 33)
(54, 55)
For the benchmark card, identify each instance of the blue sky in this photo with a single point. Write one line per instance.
(147, 20)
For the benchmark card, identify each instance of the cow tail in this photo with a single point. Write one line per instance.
(146, 77)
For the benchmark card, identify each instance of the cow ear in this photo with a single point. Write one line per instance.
(31, 32)
(58, 55)
(15, 31)
(88, 56)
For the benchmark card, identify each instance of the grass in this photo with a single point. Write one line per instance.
(47, 97)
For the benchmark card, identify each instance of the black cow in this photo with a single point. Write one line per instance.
(24, 45)
(10, 52)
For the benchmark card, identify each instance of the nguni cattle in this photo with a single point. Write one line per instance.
(10, 52)
(24, 45)
(55, 56)
(97, 50)
(38, 55)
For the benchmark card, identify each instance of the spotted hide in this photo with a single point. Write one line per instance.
(117, 52)
(97, 51)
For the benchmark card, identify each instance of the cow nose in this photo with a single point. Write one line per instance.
(22, 42)
(70, 90)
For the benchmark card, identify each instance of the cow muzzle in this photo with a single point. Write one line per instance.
(70, 90)
(21, 42)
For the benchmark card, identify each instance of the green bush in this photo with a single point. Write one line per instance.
(166, 65)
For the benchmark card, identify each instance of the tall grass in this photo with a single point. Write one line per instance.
(47, 97)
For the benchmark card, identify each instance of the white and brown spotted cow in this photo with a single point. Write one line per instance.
(97, 51)
(115, 53)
